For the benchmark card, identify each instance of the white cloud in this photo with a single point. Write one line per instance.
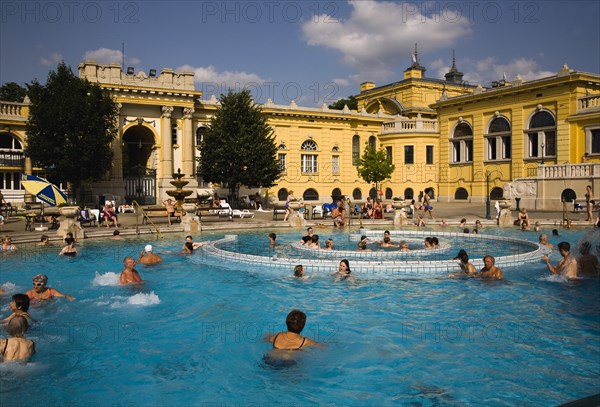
(52, 60)
(380, 35)
(214, 82)
(341, 81)
(109, 56)
(486, 70)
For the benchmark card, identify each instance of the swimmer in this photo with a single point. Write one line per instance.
(307, 238)
(19, 306)
(567, 267)
(7, 245)
(17, 347)
(273, 239)
(387, 242)
(343, 271)
(291, 339)
(195, 245)
(116, 234)
(362, 245)
(41, 293)
(299, 271)
(329, 244)
(147, 258)
(314, 243)
(44, 241)
(464, 263)
(188, 248)
(544, 241)
(69, 250)
(129, 275)
(489, 270)
(403, 246)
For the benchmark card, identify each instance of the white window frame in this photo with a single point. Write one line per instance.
(462, 147)
(589, 140)
(335, 164)
(309, 163)
(282, 158)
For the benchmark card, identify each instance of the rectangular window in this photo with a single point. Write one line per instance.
(429, 155)
(506, 147)
(335, 164)
(469, 150)
(456, 156)
(389, 156)
(282, 162)
(595, 141)
(309, 163)
(533, 145)
(491, 148)
(409, 154)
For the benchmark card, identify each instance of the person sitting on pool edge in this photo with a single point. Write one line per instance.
(41, 293)
(19, 306)
(17, 347)
(129, 275)
(291, 339)
(147, 258)
(489, 270)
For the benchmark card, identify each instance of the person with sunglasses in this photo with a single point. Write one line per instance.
(42, 293)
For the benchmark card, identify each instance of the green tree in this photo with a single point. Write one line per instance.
(374, 166)
(71, 125)
(352, 103)
(239, 146)
(12, 92)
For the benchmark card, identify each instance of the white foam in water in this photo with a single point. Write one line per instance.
(109, 278)
(144, 299)
(9, 287)
(554, 278)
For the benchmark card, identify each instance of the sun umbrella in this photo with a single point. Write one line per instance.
(43, 189)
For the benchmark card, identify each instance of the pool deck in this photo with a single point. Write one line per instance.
(452, 212)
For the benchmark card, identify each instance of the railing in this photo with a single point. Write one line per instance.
(140, 211)
(568, 171)
(586, 103)
(409, 126)
(12, 160)
(12, 110)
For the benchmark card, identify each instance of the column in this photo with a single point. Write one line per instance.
(166, 145)
(187, 146)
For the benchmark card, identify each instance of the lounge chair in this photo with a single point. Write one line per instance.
(242, 214)
(86, 217)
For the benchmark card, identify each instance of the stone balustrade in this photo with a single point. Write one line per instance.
(588, 103)
(12, 110)
(409, 126)
(568, 171)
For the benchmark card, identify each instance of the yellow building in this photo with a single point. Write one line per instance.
(524, 140)
(447, 138)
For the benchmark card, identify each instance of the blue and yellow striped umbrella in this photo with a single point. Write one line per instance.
(43, 190)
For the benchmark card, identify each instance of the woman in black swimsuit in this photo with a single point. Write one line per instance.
(69, 250)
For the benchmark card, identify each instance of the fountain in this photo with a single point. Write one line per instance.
(187, 210)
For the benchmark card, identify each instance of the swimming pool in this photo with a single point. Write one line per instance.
(192, 334)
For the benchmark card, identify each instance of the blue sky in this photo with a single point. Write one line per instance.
(313, 52)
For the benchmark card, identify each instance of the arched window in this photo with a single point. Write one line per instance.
(461, 194)
(355, 149)
(568, 195)
(310, 195)
(541, 135)
(11, 155)
(9, 141)
(336, 194)
(282, 194)
(309, 162)
(498, 140)
(409, 193)
(461, 143)
(389, 193)
(373, 193)
(496, 193)
(357, 194)
(372, 142)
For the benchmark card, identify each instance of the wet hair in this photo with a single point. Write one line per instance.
(314, 239)
(460, 252)
(190, 246)
(466, 230)
(272, 235)
(116, 233)
(489, 256)
(69, 240)
(463, 256)
(44, 238)
(435, 241)
(363, 237)
(362, 245)
(309, 229)
(554, 232)
(386, 232)
(463, 220)
(306, 239)
(189, 237)
(564, 246)
(21, 302)
(295, 321)
(17, 326)
(585, 247)
(298, 270)
(329, 243)
(345, 261)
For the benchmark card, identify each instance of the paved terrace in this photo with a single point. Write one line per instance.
(452, 212)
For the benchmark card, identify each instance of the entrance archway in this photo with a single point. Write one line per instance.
(138, 174)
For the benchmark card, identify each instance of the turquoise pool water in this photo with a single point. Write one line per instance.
(192, 334)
